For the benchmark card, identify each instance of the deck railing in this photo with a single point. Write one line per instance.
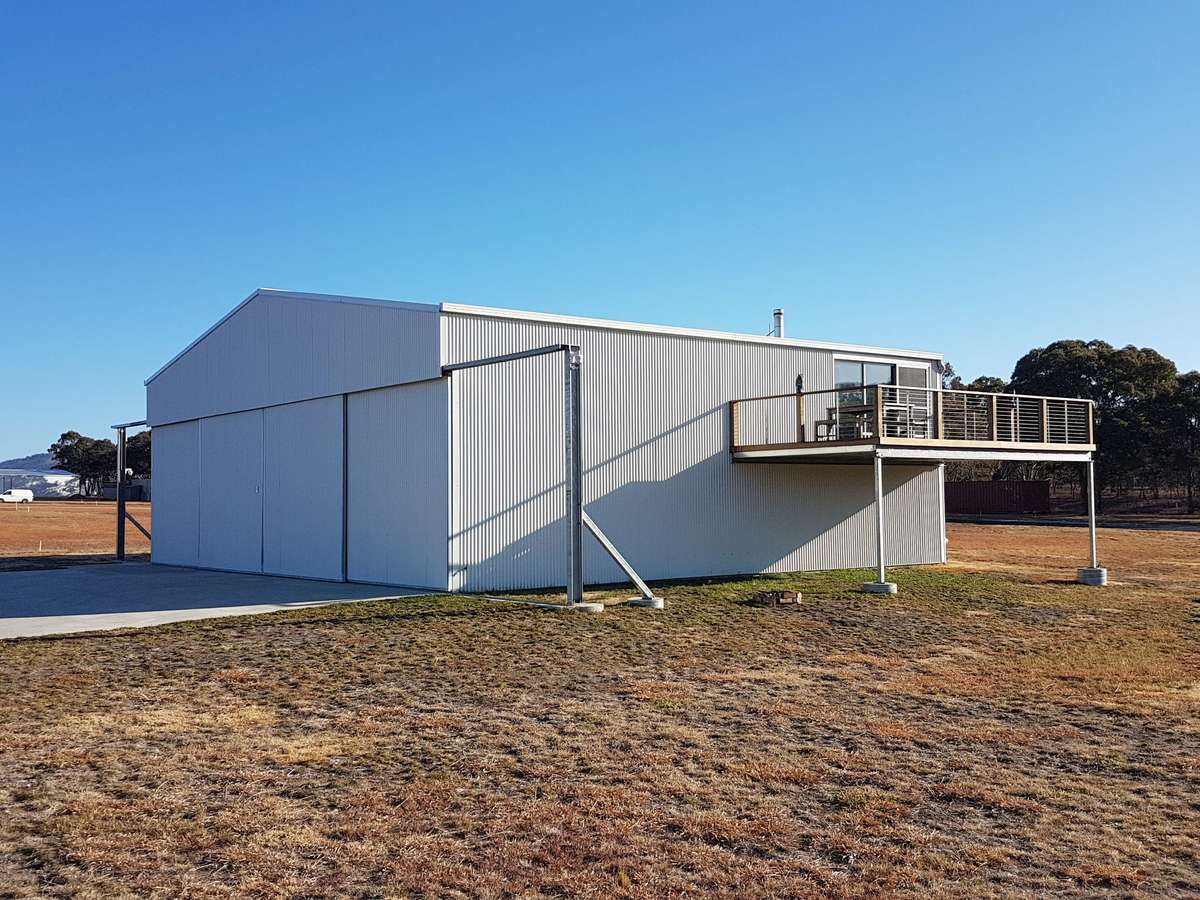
(900, 414)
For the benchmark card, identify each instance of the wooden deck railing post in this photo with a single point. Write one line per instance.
(799, 418)
(733, 425)
(878, 411)
(1045, 421)
(938, 398)
(995, 420)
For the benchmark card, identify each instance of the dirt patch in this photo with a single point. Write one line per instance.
(1047, 553)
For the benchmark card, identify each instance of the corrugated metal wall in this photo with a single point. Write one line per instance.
(302, 489)
(658, 477)
(399, 485)
(281, 349)
(982, 498)
(231, 479)
(176, 530)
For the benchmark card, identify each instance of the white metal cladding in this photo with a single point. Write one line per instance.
(398, 484)
(176, 495)
(614, 325)
(231, 473)
(302, 493)
(281, 348)
(658, 477)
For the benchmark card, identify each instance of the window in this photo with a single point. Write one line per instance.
(853, 373)
(860, 374)
(905, 407)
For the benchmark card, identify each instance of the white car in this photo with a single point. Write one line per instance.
(17, 495)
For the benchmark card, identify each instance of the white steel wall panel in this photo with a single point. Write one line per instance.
(658, 476)
(302, 493)
(231, 472)
(176, 495)
(281, 348)
(398, 484)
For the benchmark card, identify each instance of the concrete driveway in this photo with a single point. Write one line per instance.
(135, 594)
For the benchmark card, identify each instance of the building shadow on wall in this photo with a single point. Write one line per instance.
(712, 518)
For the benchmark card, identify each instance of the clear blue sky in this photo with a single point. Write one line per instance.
(976, 178)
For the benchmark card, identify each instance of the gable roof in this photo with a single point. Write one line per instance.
(298, 295)
(558, 319)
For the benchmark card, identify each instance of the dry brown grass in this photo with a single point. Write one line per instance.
(985, 732)
(49, 532)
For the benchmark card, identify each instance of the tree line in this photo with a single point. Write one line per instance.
(1147, 416)
(93, 461)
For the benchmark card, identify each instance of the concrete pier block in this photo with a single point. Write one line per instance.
(879, 587)
(647, 602)
(583, 608)
(1094, 577)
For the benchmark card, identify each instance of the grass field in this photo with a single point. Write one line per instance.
(994, 729)
(45, 529)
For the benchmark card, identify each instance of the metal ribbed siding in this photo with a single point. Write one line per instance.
(176, 539)
(280, 349)
(658, 478)
(231, 482)
(983, 498)
(398, 484)
(302, 489)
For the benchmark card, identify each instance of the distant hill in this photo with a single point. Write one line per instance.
(37, 462)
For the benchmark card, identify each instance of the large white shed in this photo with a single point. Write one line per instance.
(324, 437)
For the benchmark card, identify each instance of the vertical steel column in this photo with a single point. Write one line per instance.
(881, 574)
(121, 492)
(573, 446)
(345, 487)
(1091, 489)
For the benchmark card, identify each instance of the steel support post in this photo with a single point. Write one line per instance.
(1094, 574)
(1091, 489)
(573, 430)
(121, 493)
(880, 585)
(881, 575)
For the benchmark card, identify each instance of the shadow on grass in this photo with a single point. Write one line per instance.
(39, 563)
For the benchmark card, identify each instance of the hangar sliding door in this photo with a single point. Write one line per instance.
(302, 492)
(176, 494)
(231, 473)
(397, 455)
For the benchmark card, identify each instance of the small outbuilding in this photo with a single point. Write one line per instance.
(422, 445)
(45, 485)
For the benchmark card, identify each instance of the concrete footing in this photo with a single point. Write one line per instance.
(879, 587)
(1094, 577)
(583, 607)
(647, 602)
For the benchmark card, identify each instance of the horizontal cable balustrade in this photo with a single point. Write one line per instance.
(893, 414)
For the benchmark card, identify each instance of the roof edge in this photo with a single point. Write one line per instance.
(554, 318)
(732, 336)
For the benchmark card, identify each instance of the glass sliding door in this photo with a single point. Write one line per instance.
(855, 413)
(848, 379)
